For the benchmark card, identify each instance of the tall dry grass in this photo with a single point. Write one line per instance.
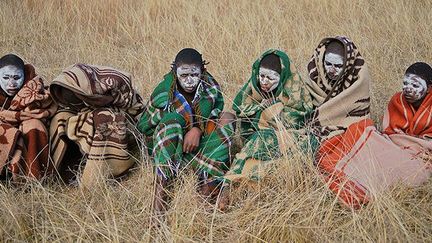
(142, 37)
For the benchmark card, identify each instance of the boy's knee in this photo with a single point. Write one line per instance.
(226, 118)
(172, 118)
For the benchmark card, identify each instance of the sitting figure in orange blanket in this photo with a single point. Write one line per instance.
(408, 119)
(356, 161)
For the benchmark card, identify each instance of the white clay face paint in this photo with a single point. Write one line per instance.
(11, 79)
(414, 88)
(269, 79)
(333, 65)
(189, 77)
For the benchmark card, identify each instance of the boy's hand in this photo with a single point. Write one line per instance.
(192, 140)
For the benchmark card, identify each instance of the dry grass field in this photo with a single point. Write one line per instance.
(143, 37)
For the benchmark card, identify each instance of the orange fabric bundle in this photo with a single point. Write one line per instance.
(361, 163)
(330, 153)
(402, 118)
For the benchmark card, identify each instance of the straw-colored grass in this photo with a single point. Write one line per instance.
(142, 37)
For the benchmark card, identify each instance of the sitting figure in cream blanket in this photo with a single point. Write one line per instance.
(92, 126)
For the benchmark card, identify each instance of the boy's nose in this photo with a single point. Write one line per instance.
(407, 88)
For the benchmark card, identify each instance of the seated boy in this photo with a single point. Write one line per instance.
(408, 119)
(97, 105)
(272, 106)
(356, 161)
(25, 108)
(184, 125)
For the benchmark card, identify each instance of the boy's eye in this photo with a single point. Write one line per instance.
(327, 63)
(16, 77)
(5, 77)
(183, 75)
(338, 65)
(195, 74)
(262, 75)
(415, 86)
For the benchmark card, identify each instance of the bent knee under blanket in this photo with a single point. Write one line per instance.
(362, 163)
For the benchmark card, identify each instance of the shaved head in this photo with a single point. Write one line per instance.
(336, 47)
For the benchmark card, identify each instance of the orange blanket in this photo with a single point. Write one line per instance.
(362, 163)
(409, 128)
(23, 134)
(402, 118)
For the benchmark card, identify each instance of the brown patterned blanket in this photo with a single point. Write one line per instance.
(24, 146)
(98, 103)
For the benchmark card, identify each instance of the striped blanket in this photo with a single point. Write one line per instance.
(168, 116)
(274, 129)
(23, 134)
(98, 104)
(356, 161)
(342, 102)
(409, 128)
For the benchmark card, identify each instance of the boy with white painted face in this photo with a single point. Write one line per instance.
(407, 120)
(25, 107)
(334, 60)
(356, 161)
(185, 126)
(272, 106)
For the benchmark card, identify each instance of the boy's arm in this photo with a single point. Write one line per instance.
(150, 119)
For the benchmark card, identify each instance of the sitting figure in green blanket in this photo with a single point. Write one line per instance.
(184, 125)
(271, 107)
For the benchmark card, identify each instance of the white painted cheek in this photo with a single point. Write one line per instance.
(333, 60)
(4, 84)
(327, 68)
(338, 71)
(17, 83)
(274, 84)
(420, 91)
(263, 80)
(414, 87)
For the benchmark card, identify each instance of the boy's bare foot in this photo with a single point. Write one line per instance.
(160, 201)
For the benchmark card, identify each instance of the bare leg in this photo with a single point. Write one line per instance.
(205, 189)
(160, 202)
(209, 188)
(224, 200)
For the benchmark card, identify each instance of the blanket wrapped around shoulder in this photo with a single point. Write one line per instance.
(168, 116)
(272, 124)
(342, 102)
(23, 133)
(356, 161)
(407, 127)
(98, 104)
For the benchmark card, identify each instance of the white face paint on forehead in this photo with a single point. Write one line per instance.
(11, 79)
(333, 65)
(269, 79)
(189, 76)
(414, 88)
